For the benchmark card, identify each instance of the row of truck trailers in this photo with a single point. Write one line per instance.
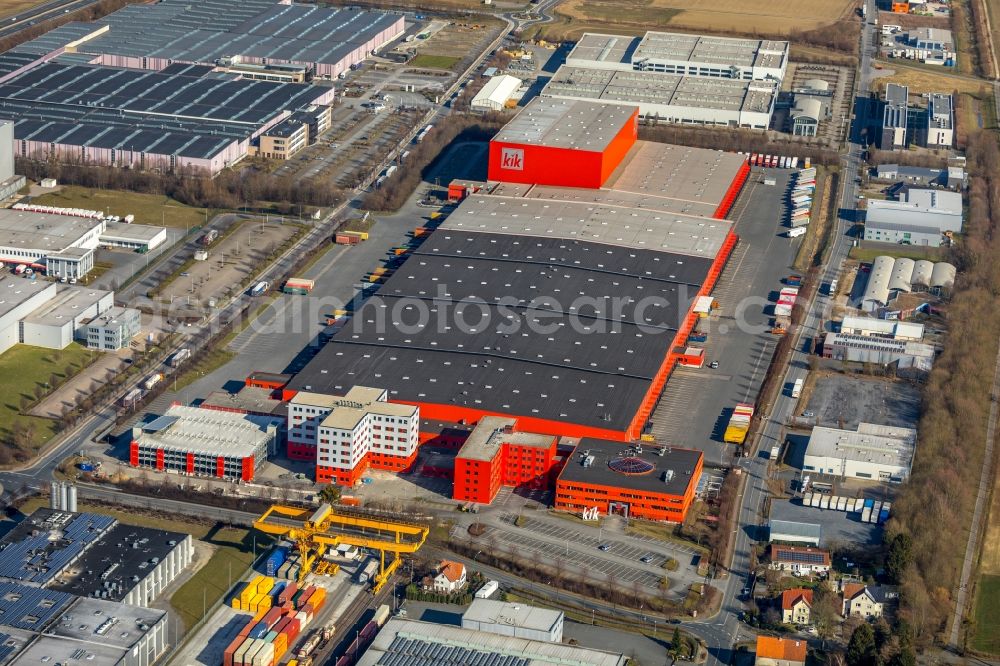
(776, 161)
(801, 200)
(872, 511)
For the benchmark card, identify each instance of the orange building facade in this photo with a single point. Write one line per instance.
(655, 483)
(496, 454)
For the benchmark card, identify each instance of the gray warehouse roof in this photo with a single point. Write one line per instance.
(709, 49)
(45, 543)
(786, 528)
(411, 643)
(143, 111)
(670, 473)
(208, 30)
(518, 615)
(564, 123)
(658, 88)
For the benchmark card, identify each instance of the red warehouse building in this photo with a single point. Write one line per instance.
(545, 262)
(496, 455)
(205, 442)
(656, 483)
(563, 142)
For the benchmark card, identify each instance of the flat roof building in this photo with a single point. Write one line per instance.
(658, 220)
(144, 119)
(671, 98)
(551, 131)
(349, 433)
(931, 39)
(940, 131)
(410, 642)
(139, 237)
(895, 110)
(680, 53)
(496, 454)
(59, 321)
(514, 619)
(128, 564)
(18, 299)
(98, 632)
(882, 328)
(879, 351)
(114, 329)
(876, 452)
(922, 218)
(27, 237)
(632, 480)
(205, 442)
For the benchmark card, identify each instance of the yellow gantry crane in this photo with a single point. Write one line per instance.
(314, 532)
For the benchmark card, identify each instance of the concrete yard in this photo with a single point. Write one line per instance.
(839, 401)
(695, 404)
(230, 261)
(838, 527)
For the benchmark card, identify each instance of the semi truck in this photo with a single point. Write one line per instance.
(209, 237)
(739, 424)
(259, 288)
(797, 388)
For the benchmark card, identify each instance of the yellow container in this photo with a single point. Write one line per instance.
(265, 586)
(237, 604)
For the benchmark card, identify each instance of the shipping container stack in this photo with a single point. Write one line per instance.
(269, 634)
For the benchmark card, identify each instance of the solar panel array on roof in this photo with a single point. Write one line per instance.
(208, 30)
(31, 608)
(805, 557)
(142, 111)
(7, 646)
(40, 555)
(414, 652)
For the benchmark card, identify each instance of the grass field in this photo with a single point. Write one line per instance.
(24, 369)
(434, 61)
(929, 78)
(986, 638)
(744, 16)
(234, 548)
(152, 209)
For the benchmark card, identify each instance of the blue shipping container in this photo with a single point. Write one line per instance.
(259, 631)
(275, 560)
(86, 467)
(869, 504)
(883, 516)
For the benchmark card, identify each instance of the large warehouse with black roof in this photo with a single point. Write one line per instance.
(564, 309)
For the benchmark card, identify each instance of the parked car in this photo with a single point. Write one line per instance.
(713, 365)
(604, 547)
(646, 559)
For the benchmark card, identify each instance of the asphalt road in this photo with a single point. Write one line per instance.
(43, 12)
(724, 627)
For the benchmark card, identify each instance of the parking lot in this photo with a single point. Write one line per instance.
(839, 401)
(838, 527)
(695, 404)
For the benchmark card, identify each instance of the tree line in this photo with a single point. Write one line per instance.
(424, 156)
(229, 189)
(935, 506)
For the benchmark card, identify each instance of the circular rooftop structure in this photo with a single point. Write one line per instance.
(631, 465)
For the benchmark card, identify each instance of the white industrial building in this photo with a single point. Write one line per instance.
(940, 130)
(138, 237)
(876, 452)
(46, 314)
(882, 328)
(205, 442)
(683, 54)
(403, 641)
(10, 182)
(922, 217)
(787, 531)
(895, 117)
(496, 93)
(514, 619)
(671, 98)
(63, 245)
(114, 329)
(889, 277)
(879, 351)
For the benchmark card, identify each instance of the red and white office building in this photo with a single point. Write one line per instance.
(346, 435)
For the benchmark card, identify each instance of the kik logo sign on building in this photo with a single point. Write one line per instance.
(512, 158)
